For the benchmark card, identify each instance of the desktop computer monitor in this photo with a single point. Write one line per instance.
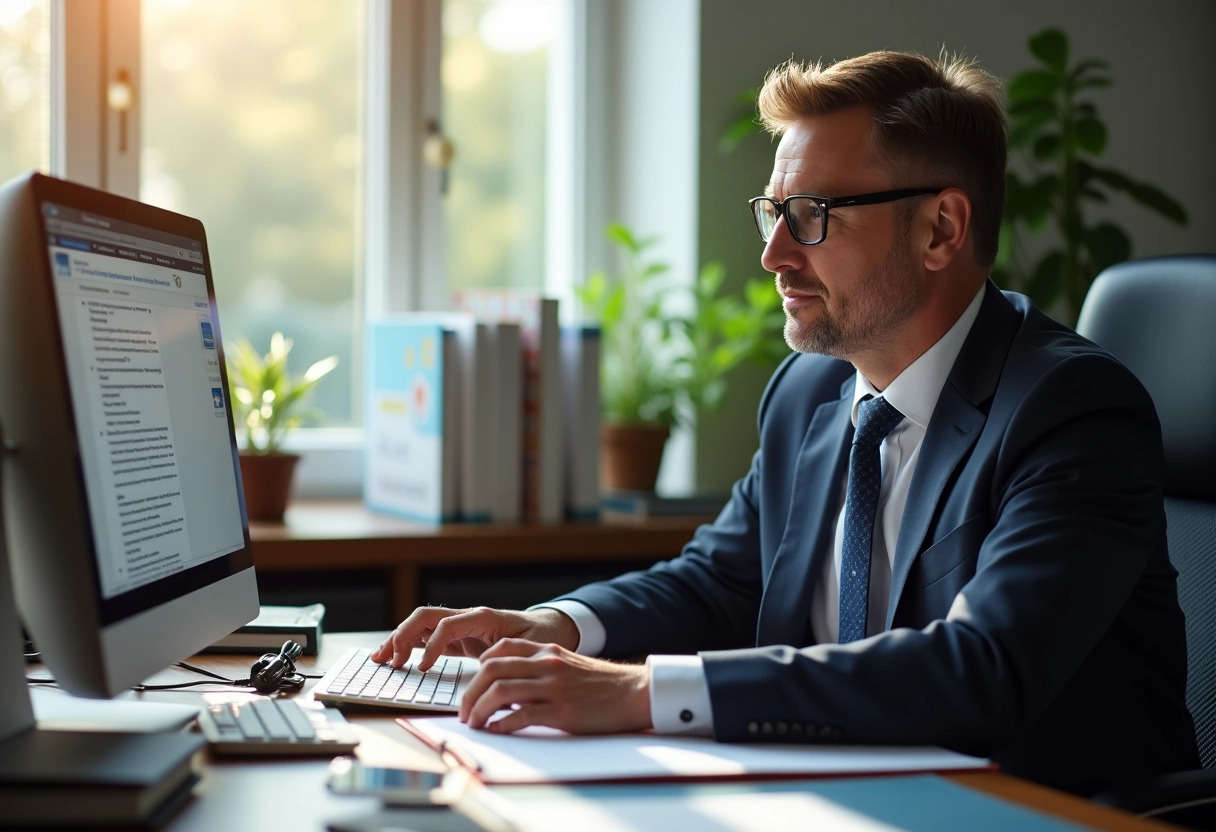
(127, 537)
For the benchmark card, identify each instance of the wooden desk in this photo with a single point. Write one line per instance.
(239, 794)
(345, 535)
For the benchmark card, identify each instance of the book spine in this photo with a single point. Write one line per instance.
(581, 393)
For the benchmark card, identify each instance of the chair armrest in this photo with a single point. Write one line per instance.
(1187, 798)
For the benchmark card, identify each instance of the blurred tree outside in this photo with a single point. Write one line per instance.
(25, 73)
(494, 78)
(251, 122)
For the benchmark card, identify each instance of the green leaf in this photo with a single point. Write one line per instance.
(1107, 245)
(1033, 85)
(1047, 282)
(1147, 195)
(1091, 135)
(1027, 127)
(1159, 201)
(1051, 47)
(736, 132)
(1047, 147)
(622, 236)
(1087, 65)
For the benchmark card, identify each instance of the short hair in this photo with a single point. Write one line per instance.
(943, 119)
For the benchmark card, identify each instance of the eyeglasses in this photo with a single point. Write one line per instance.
(806, 216)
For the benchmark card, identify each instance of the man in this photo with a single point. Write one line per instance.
(953, 531)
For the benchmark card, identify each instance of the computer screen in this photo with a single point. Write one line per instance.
(127, 538)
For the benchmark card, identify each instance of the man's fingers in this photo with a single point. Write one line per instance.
(410, 633)
(538, 714)
(479, 622)
(494, 670)
(503, 694)
(516, 647)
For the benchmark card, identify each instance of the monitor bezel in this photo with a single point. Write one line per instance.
(44, 190)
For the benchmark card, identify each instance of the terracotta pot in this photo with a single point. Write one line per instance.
(630, 456)
(267, 480)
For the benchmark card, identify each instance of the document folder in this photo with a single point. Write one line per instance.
(546, 755)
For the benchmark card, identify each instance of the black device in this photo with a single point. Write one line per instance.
(277, 671)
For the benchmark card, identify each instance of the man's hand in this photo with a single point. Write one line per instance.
(552, 686)
(471, 632)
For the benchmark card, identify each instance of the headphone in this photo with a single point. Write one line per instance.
(277, 672)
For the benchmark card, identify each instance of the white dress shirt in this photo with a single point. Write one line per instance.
(678, 689)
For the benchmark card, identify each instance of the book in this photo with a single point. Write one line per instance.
(413, 421)
(71, 778)
(636, 506)
(273, 626)
(581, 394)
(507, 461)
(543, 470)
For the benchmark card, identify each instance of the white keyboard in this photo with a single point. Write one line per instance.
(356, 679)
(274, 726)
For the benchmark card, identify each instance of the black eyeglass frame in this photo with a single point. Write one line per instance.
(826, 204)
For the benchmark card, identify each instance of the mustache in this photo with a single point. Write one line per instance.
(804, 285)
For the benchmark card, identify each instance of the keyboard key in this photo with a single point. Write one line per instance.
(276, 726)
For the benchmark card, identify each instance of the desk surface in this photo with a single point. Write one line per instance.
(239, 794)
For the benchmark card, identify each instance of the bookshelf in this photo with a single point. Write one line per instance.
(342, 535)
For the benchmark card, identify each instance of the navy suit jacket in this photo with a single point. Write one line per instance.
(1033, 615)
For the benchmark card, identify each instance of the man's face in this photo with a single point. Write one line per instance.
(848, 294)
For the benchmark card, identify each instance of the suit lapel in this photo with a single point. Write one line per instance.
(957, 420)
(786, 606)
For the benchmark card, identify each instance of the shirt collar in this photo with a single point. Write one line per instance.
(915, 391)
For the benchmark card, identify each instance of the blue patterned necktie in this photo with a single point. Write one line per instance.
(875, 419)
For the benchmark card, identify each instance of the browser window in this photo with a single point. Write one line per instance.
(140, 340)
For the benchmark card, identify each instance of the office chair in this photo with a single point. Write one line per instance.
(1158, 316)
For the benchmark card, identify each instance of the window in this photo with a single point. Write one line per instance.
(495, 66)
(251, 122)
(297, 133)
(25, 100)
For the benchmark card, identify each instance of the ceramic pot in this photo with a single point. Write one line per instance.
(268, 479)
(630, 456)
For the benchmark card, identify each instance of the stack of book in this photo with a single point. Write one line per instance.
(78, 778)
(488, 414)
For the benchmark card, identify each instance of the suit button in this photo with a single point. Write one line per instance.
(686, 715)
(827, 732)
(766, 728)
(783, 728)
(753, 729)
(811, 730)
(796, 729)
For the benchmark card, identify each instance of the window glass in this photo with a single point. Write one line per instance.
(494, 75)
(25, 60)
(251, 122)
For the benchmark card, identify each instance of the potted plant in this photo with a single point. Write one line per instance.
(1060, 136)
(266, 403)
(666, 352)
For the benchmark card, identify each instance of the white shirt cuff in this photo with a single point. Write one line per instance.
(592, 636)
(679, 696)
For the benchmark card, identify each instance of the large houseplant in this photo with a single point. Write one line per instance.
(666, 351)
(267, 403)
(1059, 136)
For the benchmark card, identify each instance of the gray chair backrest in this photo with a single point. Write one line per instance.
(1158, 316)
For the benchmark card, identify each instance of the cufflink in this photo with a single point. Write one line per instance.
(686, 715)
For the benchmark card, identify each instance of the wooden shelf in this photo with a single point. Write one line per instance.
(344, 535)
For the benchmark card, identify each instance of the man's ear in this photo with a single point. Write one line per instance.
(949, 216)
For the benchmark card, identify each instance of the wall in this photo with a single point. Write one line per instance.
(1160, 115)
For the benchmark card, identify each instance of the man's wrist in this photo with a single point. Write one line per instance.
(560, 626)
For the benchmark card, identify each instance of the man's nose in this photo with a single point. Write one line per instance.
(782, 253)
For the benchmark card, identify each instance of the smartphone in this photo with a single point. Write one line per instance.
(399, 786)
